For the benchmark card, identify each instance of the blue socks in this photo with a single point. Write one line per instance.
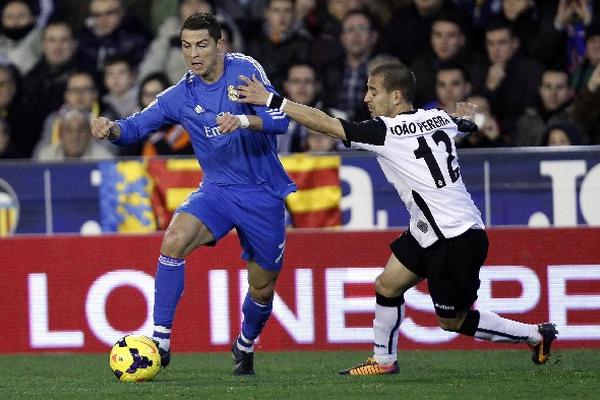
(168, 288)
(255, 317)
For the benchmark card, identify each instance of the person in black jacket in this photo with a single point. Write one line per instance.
(279, 43)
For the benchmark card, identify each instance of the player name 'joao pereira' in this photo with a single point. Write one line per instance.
(427, 125)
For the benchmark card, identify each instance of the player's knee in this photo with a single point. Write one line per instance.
(385, 288)
(173, 244)
(261, 293)
(450, 324)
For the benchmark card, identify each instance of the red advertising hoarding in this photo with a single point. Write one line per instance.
(71, 293)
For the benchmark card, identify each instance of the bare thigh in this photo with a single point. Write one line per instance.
(184, 234)
(395, 279)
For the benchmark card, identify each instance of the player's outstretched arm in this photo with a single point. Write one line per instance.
(254, 92)
(104, 128)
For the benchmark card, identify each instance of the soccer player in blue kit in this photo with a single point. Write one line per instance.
(244, 183)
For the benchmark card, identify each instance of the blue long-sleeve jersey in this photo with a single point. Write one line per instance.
(243, 157)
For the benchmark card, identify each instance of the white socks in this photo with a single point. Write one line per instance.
(386, 326)
(494, 328)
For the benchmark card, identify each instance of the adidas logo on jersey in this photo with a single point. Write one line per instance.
(199, 109)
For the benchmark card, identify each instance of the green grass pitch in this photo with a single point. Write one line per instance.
(571, 374)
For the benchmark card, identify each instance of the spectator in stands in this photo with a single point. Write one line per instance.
(489, 133)
(119, 80)
(538, 37)
(75, 140)
(319, 143)
(301, 86)
(168, 139)
(164, 54)
(44, 85)
(408, 33)
(343, 79)
(560, 134)
(7, 148)
(80, 93)
(584, 71)
(512, 79)
(326, 27)
(452, 86)
(109, 32)
(586, 111)
(555, 100)
(448, 45)
(279, 43)
(20, 37)
(574, 17)
(9, 109)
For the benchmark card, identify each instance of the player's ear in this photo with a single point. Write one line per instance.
(397, 97)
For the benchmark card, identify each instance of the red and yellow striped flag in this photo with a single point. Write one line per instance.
(174, 180)
(316, 204)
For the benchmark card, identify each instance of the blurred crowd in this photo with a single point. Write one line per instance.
(532, 67)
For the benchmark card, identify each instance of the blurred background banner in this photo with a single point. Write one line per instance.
(73, 293)
(125, 197)
(518, 187)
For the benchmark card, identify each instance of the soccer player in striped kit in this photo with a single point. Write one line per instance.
(446, 242)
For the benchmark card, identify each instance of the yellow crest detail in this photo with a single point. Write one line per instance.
(232, 93)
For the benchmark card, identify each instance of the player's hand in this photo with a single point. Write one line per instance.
(466, 110)
(253, 91)
(228, 123)
(101, 127)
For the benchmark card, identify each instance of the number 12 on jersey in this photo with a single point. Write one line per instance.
(424, 151)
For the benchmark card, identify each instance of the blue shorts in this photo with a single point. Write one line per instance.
(257, 215)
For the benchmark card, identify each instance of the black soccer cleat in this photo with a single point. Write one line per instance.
(541, 351)
(165, 356)
(243, 361)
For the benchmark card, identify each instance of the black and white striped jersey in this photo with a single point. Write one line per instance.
(417, 153)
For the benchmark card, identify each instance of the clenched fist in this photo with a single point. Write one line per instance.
(104, 128)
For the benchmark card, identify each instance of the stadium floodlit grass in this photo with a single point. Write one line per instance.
(572, 374)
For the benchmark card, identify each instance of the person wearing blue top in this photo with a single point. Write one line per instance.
(244, 183)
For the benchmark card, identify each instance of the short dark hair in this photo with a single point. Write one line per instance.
(454, 66)
(199, 21)
(117, 59)
(453, 18)
(397, 76)
(500, 24)
(373, 22)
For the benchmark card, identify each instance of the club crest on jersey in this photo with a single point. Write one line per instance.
(232, 93)
(423, 227)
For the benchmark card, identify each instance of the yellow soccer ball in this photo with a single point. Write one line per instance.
(135, 358)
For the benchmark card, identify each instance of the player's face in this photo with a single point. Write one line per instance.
(202, 53)
(378, 99)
